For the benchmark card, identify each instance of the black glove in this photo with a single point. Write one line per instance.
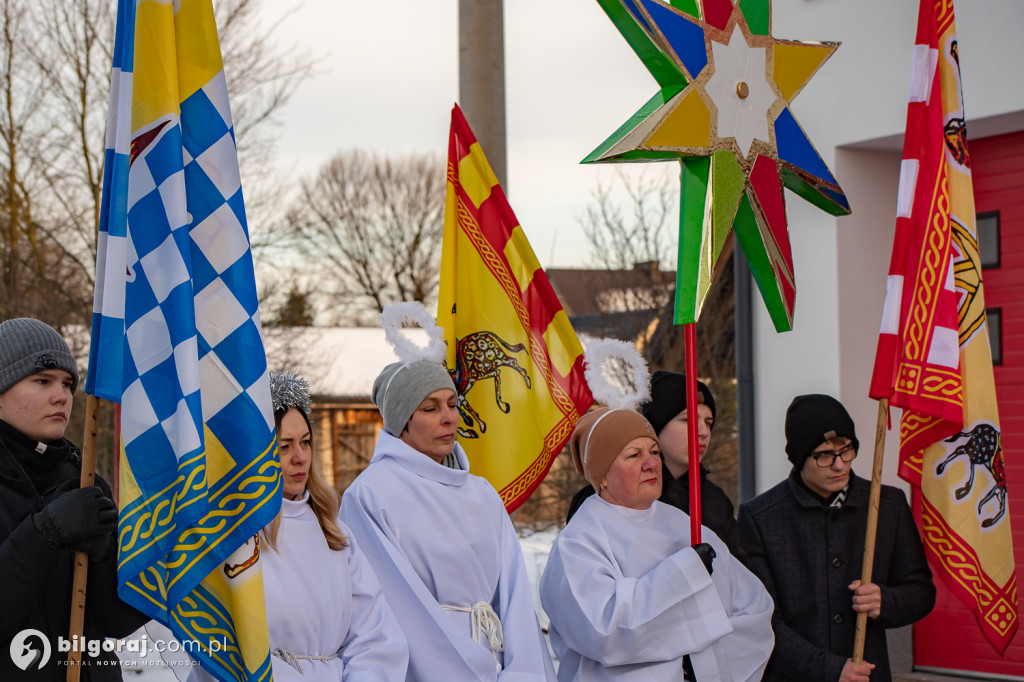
(688, 675)
(98, 547)
(706, 553)
(82, 519)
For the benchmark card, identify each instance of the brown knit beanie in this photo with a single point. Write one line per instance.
(600, 436)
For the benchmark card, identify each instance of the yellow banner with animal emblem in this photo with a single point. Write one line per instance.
(934, 359)
(515, 359)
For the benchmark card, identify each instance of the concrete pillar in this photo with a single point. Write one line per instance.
(482, 77)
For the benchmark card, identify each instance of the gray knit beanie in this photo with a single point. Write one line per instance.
(402, 386)
(28, 346)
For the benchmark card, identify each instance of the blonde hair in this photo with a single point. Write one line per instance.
(324, 499)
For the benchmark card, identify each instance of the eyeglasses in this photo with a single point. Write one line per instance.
(827, 459)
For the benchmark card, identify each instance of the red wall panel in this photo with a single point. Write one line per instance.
(949, 637)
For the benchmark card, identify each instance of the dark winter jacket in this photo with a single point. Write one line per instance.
(36, 579)
(807, 554)
(715, 506)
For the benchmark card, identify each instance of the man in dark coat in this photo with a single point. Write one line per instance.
(666, 411)
(804, 539)
(45, 517)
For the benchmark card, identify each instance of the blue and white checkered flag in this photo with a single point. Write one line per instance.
(104, 377)
(177, 341)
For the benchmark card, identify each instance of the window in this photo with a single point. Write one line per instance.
(995, 333)
(988, 239)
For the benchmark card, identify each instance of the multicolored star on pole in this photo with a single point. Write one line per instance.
(723, 110)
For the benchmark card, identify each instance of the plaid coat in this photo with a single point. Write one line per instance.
(807, 554)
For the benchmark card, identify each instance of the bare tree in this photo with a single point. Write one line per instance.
(73, 53)
(372, 227)
(295, 311)
(20, 102)
(645, 234)
(36, 276)
(262, 76)
(630, 243)
(53, 116)
(54, 94)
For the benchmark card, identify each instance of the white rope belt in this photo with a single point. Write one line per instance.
(293, 659)
(484, 623)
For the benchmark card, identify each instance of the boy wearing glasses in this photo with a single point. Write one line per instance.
(804, 539)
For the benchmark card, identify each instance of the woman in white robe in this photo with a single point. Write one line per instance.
(327, 605)
(327, 616)
(627, 595)
(441, 541)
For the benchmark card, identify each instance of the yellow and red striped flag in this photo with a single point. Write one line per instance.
(934, 358)
(515, 359)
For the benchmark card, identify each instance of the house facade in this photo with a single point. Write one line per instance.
(854, 111)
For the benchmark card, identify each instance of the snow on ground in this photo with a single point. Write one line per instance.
(151, 668)
(536, 547)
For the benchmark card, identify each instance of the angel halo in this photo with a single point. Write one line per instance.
(395, 315)
(597, 355)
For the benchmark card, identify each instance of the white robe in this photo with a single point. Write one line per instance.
(322, 602)
(438, 536)
(628, 598)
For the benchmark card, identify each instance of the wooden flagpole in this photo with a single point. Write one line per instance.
(88, 478)
(869, 537)
(692, 419)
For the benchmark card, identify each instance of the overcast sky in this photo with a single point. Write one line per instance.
(390, 77)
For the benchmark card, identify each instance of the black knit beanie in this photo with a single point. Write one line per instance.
(813, 419)
(668, 398)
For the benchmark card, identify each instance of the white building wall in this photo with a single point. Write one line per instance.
(854, 111)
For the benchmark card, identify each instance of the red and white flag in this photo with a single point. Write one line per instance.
(934, 358)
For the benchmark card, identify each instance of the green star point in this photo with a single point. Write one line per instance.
(722, 123)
